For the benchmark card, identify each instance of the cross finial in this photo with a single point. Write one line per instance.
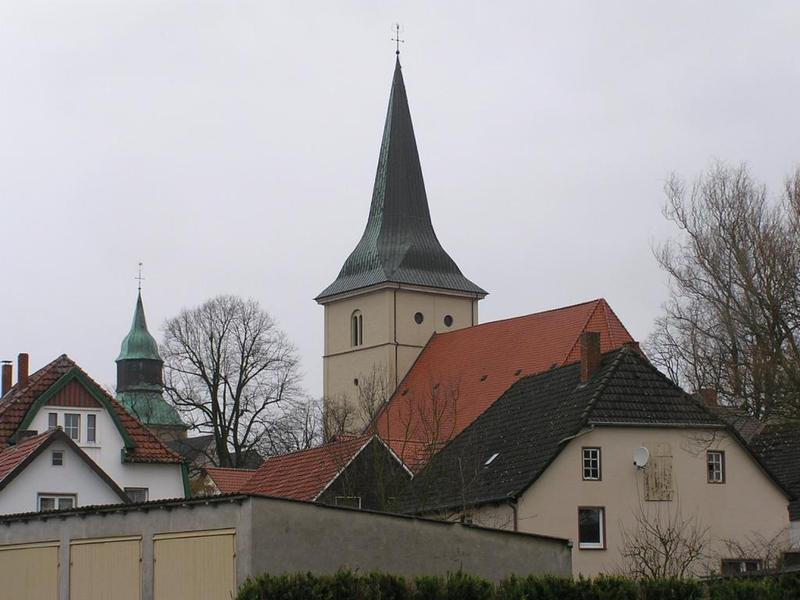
(139, 277)
(397, 39)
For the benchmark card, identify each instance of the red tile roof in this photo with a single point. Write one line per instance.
(19, 399)
(458, 375)
(304, 475)
(13, 456)
(229, 481)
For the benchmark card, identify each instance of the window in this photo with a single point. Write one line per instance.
(52, 421)
(356, 329)
(58, 458)
(715, 460)
(448, 320)
(137, 494)
(91, 428)
(56, 501)
(591, 528)
(349, 501)
(72, 426)
(591, 464)
(735, 566)
(419, 318)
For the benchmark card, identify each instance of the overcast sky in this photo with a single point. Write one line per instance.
(231, 146)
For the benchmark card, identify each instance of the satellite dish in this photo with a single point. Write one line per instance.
(640, 457)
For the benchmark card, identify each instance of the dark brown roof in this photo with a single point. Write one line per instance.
(778, 444)
(530, 424)
(18, 401)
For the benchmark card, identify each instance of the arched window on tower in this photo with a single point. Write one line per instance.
(356, 328)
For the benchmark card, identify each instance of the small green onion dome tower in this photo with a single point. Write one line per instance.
(140, 384)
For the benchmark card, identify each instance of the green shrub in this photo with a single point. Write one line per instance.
(671, 589)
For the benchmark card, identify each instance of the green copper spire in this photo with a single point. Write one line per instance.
(399, 244)
(139, 344)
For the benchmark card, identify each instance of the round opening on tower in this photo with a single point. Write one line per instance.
(448, 320)
(419, 318)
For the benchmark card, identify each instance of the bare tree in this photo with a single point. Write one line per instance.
(767, 550)
(663, 542)
(732, 322)
(343, 415)
(297, 426)
(228, 369)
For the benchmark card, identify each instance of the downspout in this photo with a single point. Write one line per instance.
(515, 510)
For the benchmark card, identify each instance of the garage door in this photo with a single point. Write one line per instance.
(200, 565)
(105, 568)
(29, 571)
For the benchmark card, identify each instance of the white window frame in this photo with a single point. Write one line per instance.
(56, 499)
(146, 491)
(91, 417)
(601, 545)
(67, 428)
(715, 458)
(587, 460)
(50, 425)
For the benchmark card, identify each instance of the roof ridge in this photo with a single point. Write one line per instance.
(320, 447)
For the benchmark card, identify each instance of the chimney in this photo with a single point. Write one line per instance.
(708, 396)
(590, 354)
(6, 377)
(22, 368)
(634, 346)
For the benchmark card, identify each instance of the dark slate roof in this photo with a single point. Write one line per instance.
(531, 422)
(778, 445)
(399, 244)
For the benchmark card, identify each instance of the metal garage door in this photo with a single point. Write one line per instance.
(200, 565)
(29, 571)
(105, 568)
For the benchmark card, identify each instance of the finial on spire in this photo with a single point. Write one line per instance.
(397, 39)
(139, 277)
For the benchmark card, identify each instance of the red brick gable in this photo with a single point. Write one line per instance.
(458, 375)
(18, 401)
(74, 395)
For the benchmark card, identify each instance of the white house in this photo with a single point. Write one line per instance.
(110, 456)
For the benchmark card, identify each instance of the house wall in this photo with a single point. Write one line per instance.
(392, 338)
(162, 480)
(40, 476)
(747, 505)
(276, 536)
(794, 535)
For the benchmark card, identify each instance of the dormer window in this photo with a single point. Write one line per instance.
(356, 329)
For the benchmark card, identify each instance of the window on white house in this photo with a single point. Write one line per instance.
(91, 428)
(58, 458)
(591, 464)
(715, 460)
(137, 494)
(349, 501)
(735, 566)
(56, 501)
(72, 426)
(52, 421)
(591, 528)
(356, 329)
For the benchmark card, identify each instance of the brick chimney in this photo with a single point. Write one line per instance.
(635, 347)
(6, 377)
(590, 354)
(708, 396)
(22, 368)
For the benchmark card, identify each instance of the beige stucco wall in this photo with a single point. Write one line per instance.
(392, 339)
(747, 506)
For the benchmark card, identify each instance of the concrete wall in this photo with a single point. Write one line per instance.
(747, 506)
(40, 476)
(392, 338)
(275, 535)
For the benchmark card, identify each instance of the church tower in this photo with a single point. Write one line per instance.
(140, 385)
(398, 287)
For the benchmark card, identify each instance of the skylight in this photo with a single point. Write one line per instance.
(491, 458)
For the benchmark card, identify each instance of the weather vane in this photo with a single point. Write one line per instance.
(139, 277)
(397, 39)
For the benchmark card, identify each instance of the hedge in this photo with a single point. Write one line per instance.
(347, 585)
